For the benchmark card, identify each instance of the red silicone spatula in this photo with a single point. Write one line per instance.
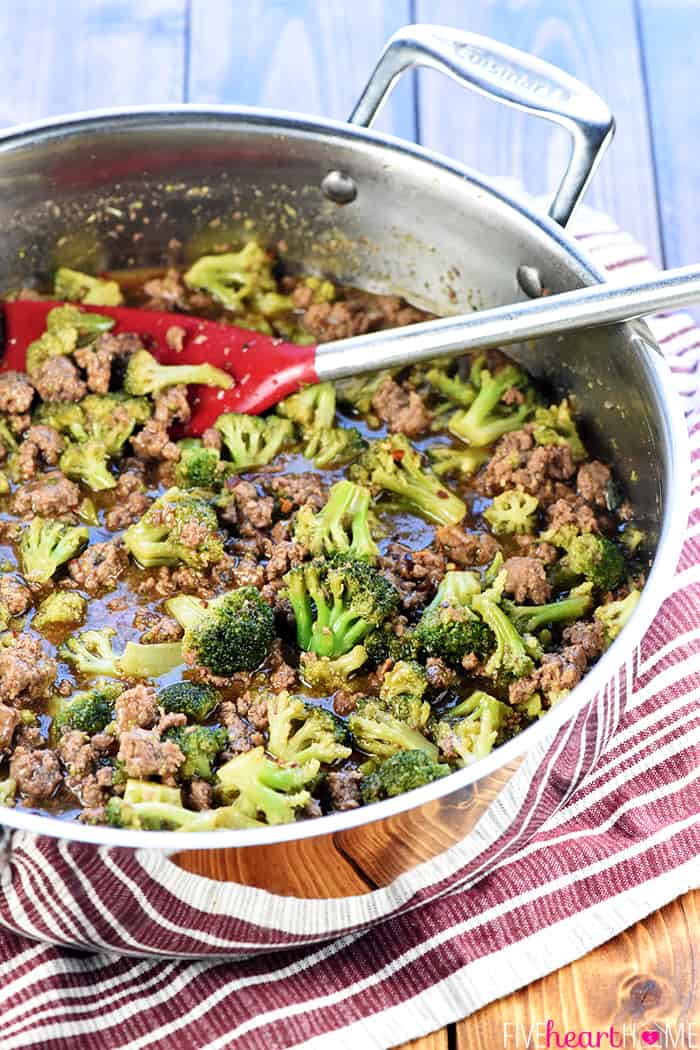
(265, 370)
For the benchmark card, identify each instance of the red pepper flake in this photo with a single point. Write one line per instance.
(443, 495)
(398, 454)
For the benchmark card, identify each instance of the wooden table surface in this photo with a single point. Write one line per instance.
(313, 56)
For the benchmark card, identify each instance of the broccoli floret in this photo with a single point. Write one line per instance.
(457, 391)
(66, 328)
(201, 746)
(8, 790)
(510, 659)
(231, 633)
(448, 627)
(359, 391)
(167, 531)
(258, 785)
(144, 375)
(554, 426)
(111, 418)
(393, 465)
(46, 544)
(60, 607)
(300, 732)
(377, 731)
(471, 728)
(321, 673)
(150, 661)
(385, 644)
(596, 558)
(341, 526)
(195, 700)
(614, 615)
(461, 461)
(80, 287)
(530, 618)
(238, 280)
(631, 537)
(155, 807)
(252, 441)
(313, 408)
(512, 512)
(406, 678)
(88, 462)
(401, 772)
(334, 447)
(198, 468)
(67, 417)
(91, 653)
(89, 711)
(488, 417)
(337, 602)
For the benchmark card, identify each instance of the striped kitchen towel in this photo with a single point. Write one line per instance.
(625, 842)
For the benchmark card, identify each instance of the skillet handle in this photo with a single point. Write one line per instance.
(506, 75)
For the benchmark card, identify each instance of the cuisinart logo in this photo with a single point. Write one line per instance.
(511, 74)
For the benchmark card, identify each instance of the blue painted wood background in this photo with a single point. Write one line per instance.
(314, 56)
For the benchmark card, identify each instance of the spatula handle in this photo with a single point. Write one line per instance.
(599, 304)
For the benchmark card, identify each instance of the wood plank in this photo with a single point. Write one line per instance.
(648, 975)
(601, 51)
(60, 56)
(670, 45)
(302, 55)
(434, 1041)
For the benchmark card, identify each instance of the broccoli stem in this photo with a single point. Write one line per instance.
(529, 618)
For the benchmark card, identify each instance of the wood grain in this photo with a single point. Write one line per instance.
(308, 56)
(59, 56)
(646, 976)
(602, 50)
(670, 47)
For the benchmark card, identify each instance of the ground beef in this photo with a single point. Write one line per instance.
(588, 635)
(530, 547)
(344, 702)
(99, 567)
(9, 720)
(50, 496)
(211, 438)
(158, 629)
(42, 444)
(97, 359)
(26, 672)
(14, 595)
(200, 795)
(344, 789)
(175, 337)
(593, 483)
(559, 673)
(130, 501)
(466, 548)
(415, 574)
(59, 380)
(296, 490)
(16, 393)
(517, 463)
(526, 580)
(144, 754)
(253, 707)
(153, 442)
(571, 510)
(402, 410)
(172, 406)
(357, 314)
(166, 293)
(37, 773)
(247, 510)
(136, 708)
(240, 734)
(76, 753)
(282, 675)
(440, 676)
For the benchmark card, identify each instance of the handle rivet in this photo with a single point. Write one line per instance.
(530, 281)
(339, 187)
